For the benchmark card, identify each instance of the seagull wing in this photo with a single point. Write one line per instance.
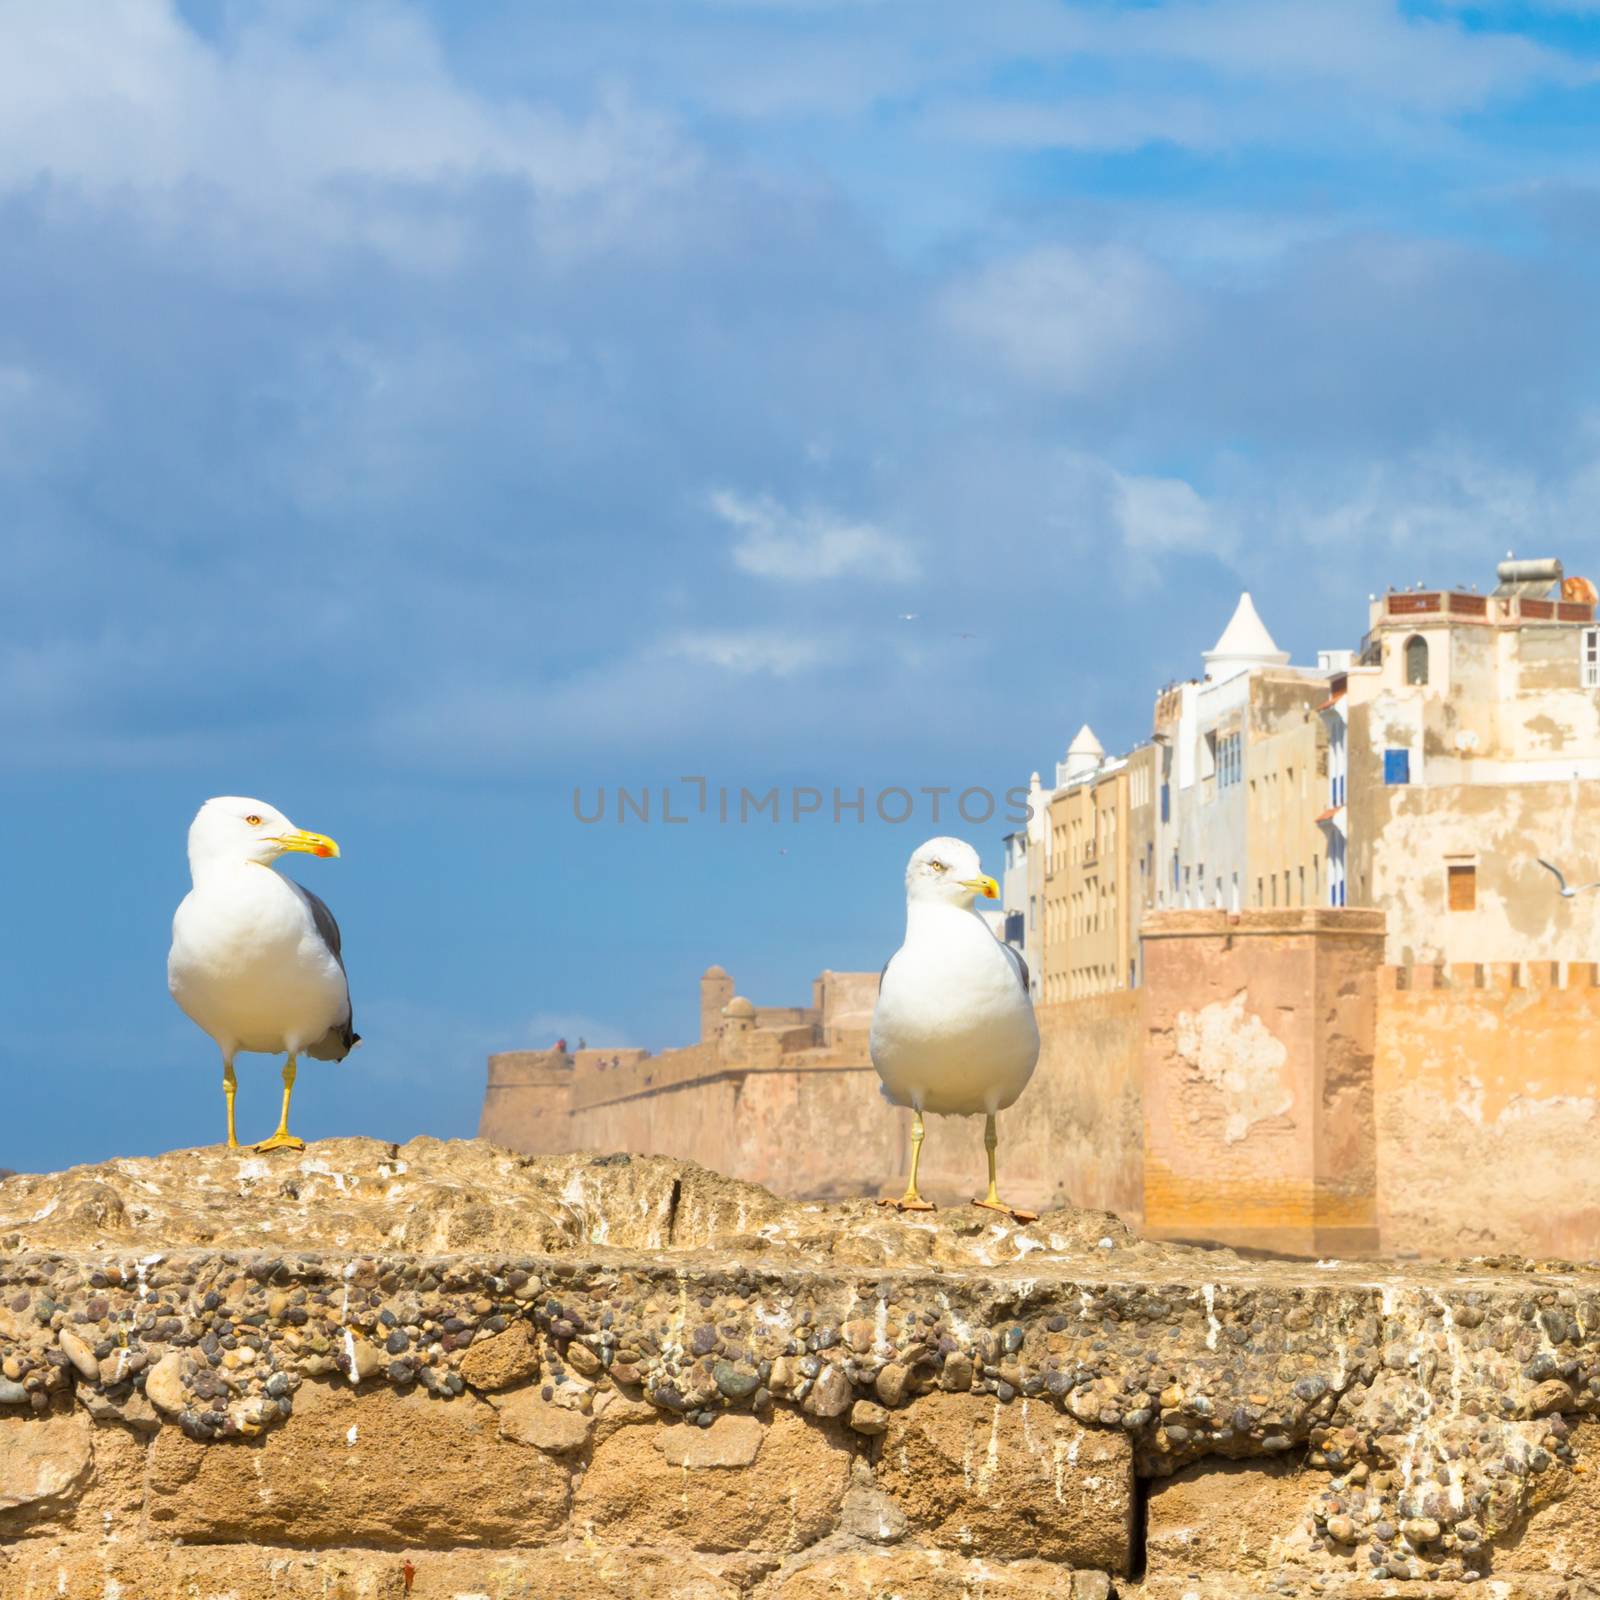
(1549, 867)
(1018, 965)
(342, 1038)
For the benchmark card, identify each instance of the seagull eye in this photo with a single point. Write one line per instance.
(938, 866)
(253, 820)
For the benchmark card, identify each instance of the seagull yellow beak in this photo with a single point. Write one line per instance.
(986, 886)
(311, 844)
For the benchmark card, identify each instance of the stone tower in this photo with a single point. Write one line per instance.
(716, 990)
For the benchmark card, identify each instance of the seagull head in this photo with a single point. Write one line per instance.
(233, 830)
(947, 872)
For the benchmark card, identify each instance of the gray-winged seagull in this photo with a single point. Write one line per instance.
(256, 959)
(953, 1031)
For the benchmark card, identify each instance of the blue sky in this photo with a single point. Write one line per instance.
(410, 413)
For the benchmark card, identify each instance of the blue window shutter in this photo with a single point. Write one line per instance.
(1397, 766)
(1166, 803)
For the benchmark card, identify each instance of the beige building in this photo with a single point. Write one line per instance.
(1465, 745)
(1099, 824)
(1423, 774)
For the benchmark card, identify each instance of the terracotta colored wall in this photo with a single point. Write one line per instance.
(1488, 1123)
(526, 1102)
(816, 1133)
(1258, 1078)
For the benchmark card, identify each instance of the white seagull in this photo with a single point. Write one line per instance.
(1561, 881)
(255, 958)
(953, 1031)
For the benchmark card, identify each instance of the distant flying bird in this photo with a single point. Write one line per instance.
(963, 636)
(909, 616)
(953, 1031)
(256, 959)
(1561, 882)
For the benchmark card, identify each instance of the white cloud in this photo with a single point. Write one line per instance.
(1167, 514)
(325, 134)
(755, 650)
(809, 545)
(1066, 317)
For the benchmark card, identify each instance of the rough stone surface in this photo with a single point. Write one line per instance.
(44, 1463)
(373, 1469)
(527, 1417)
(1022, 1480)
(593, 1375)
(930, 1575)
(786, 1497)
(1231, 1516)
(502, 1359)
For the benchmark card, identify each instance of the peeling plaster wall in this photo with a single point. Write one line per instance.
(1501, 829)
(1257, 1078)
(1488, 1127)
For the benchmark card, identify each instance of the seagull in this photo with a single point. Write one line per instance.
(953, 1031)
(255, 958)
(909, 616)
(1561, 882)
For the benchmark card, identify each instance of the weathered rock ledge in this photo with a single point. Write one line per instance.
(334, 1373)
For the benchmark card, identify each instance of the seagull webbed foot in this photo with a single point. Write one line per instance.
(909, 1202)
(281, 1140)
(1014, 1212)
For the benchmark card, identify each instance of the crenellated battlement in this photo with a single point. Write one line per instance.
(1499, 976)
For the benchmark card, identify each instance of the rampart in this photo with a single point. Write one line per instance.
(1488, 1096)
(1272, 1085)
(447, 1372)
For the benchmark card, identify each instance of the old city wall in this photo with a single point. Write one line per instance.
(813, 1123)
(1257, 1078)
(1488, 1098)
(1271, 1086)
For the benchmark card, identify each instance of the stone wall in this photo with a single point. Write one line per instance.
(1488, 1093)
(1258, 1109)
(1270, 1086)
(813, 1123)
(361, 1372)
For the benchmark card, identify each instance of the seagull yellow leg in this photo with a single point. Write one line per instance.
(911, 1200)
(230, 1088)
(992, 1201)
(283, 1139)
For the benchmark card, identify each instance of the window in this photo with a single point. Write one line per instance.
(1396, 766)
(1166, 802)
(1416, 659)
(1591, 658)
(1463, 883)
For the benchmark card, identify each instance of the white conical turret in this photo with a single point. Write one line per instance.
(1084, 755)
(1245, 643)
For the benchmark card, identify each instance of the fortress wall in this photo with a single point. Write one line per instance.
(810, 1131)
(1271, 1086)
(527, 1100)
(1257, 1078)
(1487, 1085)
